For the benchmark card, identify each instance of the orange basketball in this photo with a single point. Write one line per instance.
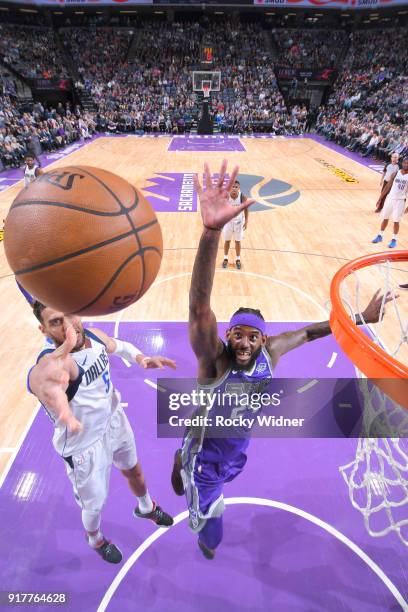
(83, 240)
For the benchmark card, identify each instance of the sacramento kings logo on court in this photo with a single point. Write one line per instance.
(174, 192)
(267, 195)
(171, 192)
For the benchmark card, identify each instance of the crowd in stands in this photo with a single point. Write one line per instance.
(303, 49)
(368, 110)
(249, 100)
(31, 51)
(140, 80)
(43, 129)
(151, 89)
(7, 86)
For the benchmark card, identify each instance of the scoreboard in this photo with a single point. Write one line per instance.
(207, 54)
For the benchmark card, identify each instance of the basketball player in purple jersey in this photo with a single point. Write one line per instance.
(246, 361)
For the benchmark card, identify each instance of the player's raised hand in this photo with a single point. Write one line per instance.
(49, 381)
(215, 208)
(376, 307)
(157, 362)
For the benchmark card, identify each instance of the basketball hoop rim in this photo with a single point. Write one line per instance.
(371, 359)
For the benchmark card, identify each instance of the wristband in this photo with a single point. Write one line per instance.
(126, 350)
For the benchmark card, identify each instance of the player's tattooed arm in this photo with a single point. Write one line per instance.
(287, 341)
(202, 322)
(215, 213)
(49, 380)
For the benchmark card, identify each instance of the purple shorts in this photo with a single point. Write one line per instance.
(206, 467)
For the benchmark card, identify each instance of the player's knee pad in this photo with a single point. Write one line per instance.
(91, 519)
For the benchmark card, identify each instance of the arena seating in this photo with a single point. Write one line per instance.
(367, 111)
(138, 79)
(31, 51)
(309, 48)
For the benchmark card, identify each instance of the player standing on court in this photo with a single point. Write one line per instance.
(244, 365)
(72, 381)
(388, 172)
(236, 227)
(395, 194)
(31, 171)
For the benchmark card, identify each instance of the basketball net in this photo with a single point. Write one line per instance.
(206, 90)
(377, 478)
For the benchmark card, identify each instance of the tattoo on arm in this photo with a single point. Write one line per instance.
(204, 269)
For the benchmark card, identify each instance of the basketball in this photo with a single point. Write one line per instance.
(83, 240)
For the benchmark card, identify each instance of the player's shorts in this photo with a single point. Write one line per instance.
(89, 470)
(234, 229)
(204, 481)
(393, 209)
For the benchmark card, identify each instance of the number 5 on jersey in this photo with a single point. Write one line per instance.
(106, 380)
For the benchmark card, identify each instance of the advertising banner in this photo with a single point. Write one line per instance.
(327, 4)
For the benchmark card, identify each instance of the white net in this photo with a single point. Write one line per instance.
(377, 478)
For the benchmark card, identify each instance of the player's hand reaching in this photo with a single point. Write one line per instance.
(377, 304)
(156, 362)
(49, 381)
(215, 208)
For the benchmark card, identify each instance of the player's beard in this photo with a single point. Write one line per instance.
(238, 366)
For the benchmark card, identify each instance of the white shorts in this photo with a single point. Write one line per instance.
(393, 209)
(92, 466)
(233, 229)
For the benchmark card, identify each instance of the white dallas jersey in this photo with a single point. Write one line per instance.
(92, 397)
(237, 202)
(29, 175)
(399, 189)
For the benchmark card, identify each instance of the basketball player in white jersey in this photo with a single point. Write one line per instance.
(235, 228)
(395, 194)
(71, 379)
(31, 171)
(388, 172)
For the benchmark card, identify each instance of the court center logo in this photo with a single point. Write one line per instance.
(171, 192)
(268, 193)
(174, 191)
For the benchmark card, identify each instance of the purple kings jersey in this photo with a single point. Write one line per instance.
(231, 400)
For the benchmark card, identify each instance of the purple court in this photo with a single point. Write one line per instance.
(206, 143)
(292, 540)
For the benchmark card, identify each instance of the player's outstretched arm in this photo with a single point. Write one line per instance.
(287, 341)
(128, 351)
(215, 213)
(49, 380)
